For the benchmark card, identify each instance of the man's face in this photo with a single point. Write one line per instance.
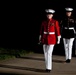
(68, 14)
(49, 16)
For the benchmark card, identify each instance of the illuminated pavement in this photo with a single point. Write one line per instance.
(34, 64)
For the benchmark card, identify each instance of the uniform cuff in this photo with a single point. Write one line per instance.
(59, 36)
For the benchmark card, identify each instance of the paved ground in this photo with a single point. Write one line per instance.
(34, 64)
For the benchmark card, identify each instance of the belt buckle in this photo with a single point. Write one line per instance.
(47, 32)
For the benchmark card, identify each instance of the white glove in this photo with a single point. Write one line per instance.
(39, 39)
(58, 41)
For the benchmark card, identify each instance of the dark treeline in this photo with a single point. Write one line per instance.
(20, 21)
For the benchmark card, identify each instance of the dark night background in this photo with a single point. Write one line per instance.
(20, 21)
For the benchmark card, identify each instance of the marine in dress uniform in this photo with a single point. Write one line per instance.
(68, 33)
(49, 36)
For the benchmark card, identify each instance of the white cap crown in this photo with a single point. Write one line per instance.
(69, 9)
(50, 11)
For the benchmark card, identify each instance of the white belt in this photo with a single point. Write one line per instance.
(49, 32)
(69, 28)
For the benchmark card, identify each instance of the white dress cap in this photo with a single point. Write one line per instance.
(69, 9)
(50, 11)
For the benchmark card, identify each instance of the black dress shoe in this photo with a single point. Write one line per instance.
(47, 70)
(68, 61)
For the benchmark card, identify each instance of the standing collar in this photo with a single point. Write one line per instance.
(50, 19)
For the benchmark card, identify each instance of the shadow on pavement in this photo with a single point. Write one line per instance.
(41, 59)
(58, 61)
(32, 58)
(23, 68)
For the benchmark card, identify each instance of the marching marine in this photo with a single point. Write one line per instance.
(48, 32)
(68, 33)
